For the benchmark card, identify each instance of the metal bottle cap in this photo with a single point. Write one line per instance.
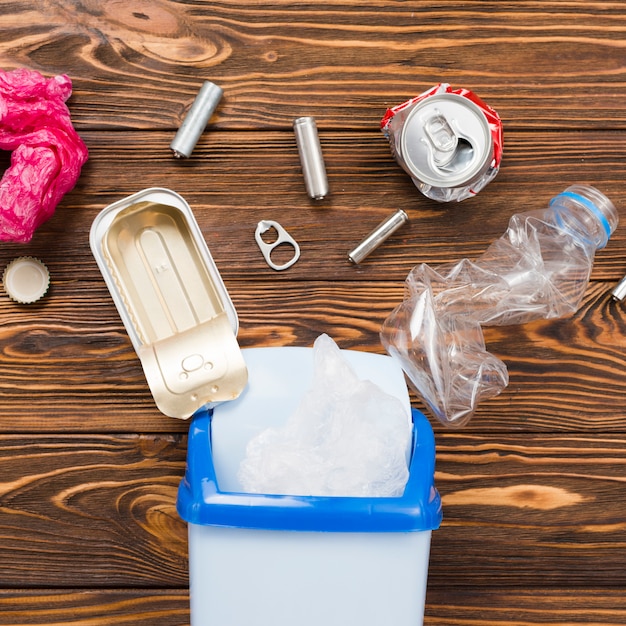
(311, 157)
(196, 120)
(26, 280)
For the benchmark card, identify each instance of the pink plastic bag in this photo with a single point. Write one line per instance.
(47, 153)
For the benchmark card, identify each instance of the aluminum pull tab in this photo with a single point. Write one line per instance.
(442, 138)
(283, 238)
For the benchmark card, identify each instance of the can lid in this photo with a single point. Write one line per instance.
(26, 279)
(446, 140)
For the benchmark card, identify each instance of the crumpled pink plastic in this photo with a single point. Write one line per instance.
(47, 153)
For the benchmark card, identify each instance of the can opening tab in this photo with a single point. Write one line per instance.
(450, 150)
(282, 238)
(443, 139)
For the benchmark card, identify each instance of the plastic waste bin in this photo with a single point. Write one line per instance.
(280, 560)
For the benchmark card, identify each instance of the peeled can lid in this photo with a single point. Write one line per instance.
(26, 279)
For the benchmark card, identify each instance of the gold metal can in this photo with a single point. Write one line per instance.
(172, 300)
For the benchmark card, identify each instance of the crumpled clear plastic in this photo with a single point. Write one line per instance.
(539, 269)
(346, 438)
(47, 153)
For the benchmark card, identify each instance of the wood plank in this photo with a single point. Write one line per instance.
(465, 606)
(77, 326)
(459, 605)
(536, 510)
(92, 511)
(137, 65)
(73, 362)
(84, 607)
(455, 605)
(233, 182)
(533, 527)
(520, 511)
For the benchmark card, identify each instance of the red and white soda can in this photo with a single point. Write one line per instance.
(448, 141)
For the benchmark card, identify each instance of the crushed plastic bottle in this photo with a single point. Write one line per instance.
(539, 269)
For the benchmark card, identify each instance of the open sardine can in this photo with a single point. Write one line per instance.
(172, 300)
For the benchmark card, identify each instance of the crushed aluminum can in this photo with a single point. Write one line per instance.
(448, 141)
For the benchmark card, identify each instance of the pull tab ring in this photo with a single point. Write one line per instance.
(443, 139)
(283, 238)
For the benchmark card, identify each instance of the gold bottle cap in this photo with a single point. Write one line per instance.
(26, 279)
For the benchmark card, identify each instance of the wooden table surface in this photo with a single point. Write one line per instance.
(533, 489)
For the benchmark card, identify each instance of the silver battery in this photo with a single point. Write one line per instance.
(619, 291)
(311, 157)
(380, 234)
(446, 146)
(196, 120)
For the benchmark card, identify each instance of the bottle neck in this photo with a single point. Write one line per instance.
(587, 213)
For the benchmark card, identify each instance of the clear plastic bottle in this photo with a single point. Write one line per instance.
(539, 269)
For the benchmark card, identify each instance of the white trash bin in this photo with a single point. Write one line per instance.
(280, 560)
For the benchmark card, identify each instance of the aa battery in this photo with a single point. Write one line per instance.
(380, 234)
(196, 120)
(311, 157)
(619, 291)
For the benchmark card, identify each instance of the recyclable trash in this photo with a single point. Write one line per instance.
(347, 437)
(378, 236)
(283, 238)
(280, 560)
(47, 154)
(539, 269)
(618, 292)
(26, 280)
(196, 120)
(171, 298)
(311, 158)
(448, 141)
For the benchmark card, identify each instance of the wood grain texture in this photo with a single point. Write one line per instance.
(92, 511)
(83, 374)
(467, 606)
(540, 65)
(555, 498)
(533, 488)
(94, 608)
(233, 183)
(99, 511)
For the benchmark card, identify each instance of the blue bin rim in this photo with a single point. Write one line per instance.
(201, 502)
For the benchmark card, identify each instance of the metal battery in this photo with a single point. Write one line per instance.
(445, 141)
(618, 292)
(196, 120)
(380, 234)
(311, 157)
